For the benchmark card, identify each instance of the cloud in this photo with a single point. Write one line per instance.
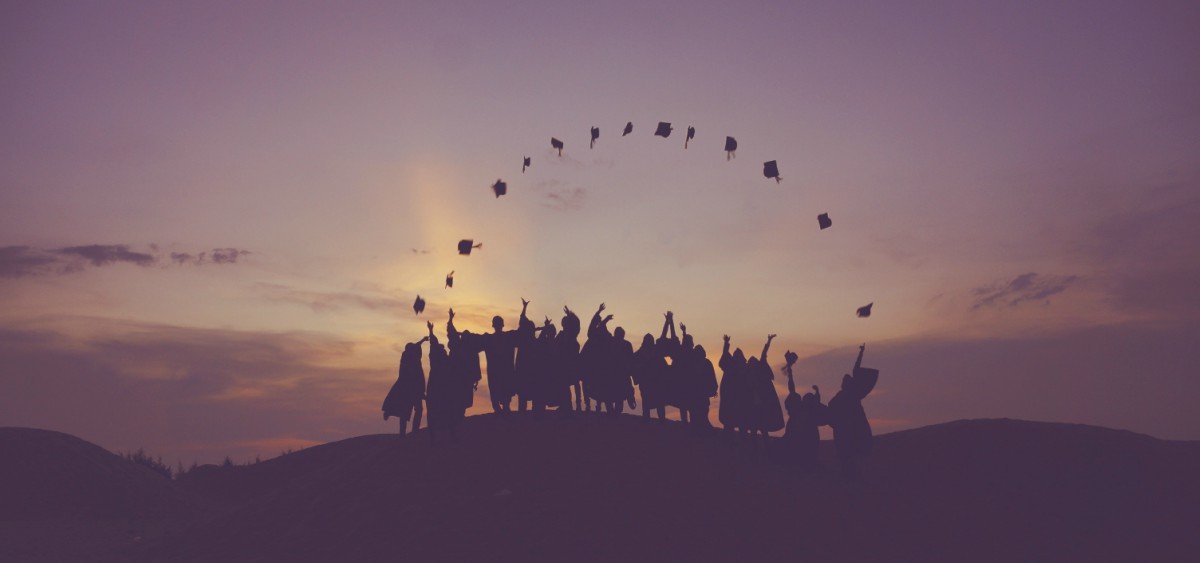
(560, 196)
(104, 254)
(23, 261)
(1023, 288)
(328, 301)
(27, 261)
(187, 393)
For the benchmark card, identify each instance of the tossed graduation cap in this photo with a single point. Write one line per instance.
(771, 170)
(824, 221)
(419, 305)
(595, 135)
(628, 128)
(556, 144)
(500, 187)
(865, 311)
(525, 165)
(730, 147)
(450, 279)
(664, 129)
(691, 135)
(466, 245)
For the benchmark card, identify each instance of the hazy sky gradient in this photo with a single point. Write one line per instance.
(1013, 184)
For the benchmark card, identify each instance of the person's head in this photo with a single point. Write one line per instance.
(570, 325)
(739, 356)
(619, 333)
(498, 323)
(688, 342)
(752, 362)
(810, 398)
(549, 332)
(699, 352)
(648, 340)
(412, 351)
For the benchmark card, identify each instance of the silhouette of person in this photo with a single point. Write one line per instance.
(851, 430)
(444, 396)
(546, 381)
(566, 360)
(499, 348)
(592, 360)
(620, 387)
(464, 360)
(801, 440)
(407, 395)
(767, 415)
(734, 390)
(649, 374)
(704, 386)
(675, 376)
(523, 372)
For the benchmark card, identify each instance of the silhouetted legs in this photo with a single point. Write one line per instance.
(683, 415)
(578, 396)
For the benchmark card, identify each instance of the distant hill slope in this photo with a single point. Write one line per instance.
(603, 489)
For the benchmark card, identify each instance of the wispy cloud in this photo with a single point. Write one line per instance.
(560, 196)
(27, 261)
(1021, 289)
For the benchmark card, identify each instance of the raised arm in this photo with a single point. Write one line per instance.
(524, 309)
(767, 347)
(432, 339)
(791, 380)
(671, 318)
(666, 321)
(858, 363)
(451, 332)
(725, 349)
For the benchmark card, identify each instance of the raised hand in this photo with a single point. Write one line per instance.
(817, 389)
(608, 318)
(452, 313)
(771, 336)
(683, 327)
(726, 337)
(524, 303)
(429, 325)
(790, 357)
(601, 309)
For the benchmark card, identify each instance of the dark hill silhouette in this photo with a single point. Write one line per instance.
(599, 488)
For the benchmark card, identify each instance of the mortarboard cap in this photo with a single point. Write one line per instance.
(500, 187)
(628, 128)
(664, 129)
(525, 165)
(556, 144)
(690, 135)
(865, 311)
(730, 147)
(595, 135)
(419, 305)
(771, 170)
(466, 245)
(450, 279)
(824, 221)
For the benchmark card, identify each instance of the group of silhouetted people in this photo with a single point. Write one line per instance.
(544, 368)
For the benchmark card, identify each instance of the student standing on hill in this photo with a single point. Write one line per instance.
(464, 360)
(407, 395)
(649, 373)
(500, 349)
(444, 398)
(766, 415)
(851, 430)
(734, 391)
(802, 438)
(523, 370)
(566, 361)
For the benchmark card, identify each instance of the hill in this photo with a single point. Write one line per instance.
(601, 489)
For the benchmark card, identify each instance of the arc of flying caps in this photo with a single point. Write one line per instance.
(556, 144)
(865, 311)
(730, 147)
(466, 245)
(525, 165)
(664, 130)
(771, 170)
(450, 279)
(419, 305)
(595, 135)
(500, 187)
(690, 135)
(628, 128)
(824, 221)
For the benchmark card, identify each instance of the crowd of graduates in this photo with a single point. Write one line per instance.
(542, 367)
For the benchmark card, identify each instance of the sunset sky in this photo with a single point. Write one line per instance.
(1015, 185)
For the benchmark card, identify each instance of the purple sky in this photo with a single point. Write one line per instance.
(1013, 184)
